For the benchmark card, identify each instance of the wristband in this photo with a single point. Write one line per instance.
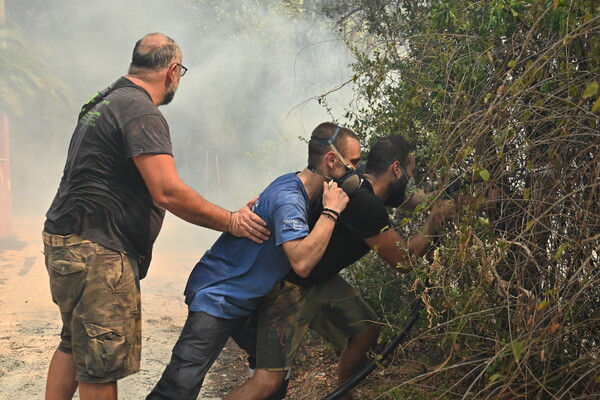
(337, 214)
(230, 221)
(329, 215)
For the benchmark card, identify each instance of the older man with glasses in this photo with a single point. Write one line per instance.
(118, 180)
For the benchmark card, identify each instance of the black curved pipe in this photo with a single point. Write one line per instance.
(372, 364)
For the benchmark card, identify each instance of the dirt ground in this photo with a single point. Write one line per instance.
(30, 323)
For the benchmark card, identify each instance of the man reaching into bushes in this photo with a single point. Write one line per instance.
(295, 304)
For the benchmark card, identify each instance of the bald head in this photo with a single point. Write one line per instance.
(152, 53)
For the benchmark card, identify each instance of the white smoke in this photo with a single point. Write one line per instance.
(238, 113)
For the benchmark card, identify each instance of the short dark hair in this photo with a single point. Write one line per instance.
(386, 151)
(154, 51)
(325, 130)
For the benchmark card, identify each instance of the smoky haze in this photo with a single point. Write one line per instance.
(237, 116)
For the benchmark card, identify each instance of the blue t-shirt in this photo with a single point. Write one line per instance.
(235, 273)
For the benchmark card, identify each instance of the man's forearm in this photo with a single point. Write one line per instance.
(169, 191)
(305, 253)
(188, 205)
(419, 243)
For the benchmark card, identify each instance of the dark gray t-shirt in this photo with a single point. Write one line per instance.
(102, 196)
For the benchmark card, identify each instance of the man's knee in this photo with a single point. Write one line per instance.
(367, 337)
(269, 382)
(374, 331)
(93, 391)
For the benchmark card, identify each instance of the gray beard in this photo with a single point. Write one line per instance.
(168, 98)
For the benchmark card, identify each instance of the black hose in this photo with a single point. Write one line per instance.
(389, 349)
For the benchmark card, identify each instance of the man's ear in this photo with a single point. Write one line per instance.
(170, 77)
(330, 158)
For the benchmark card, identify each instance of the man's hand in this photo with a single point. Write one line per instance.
(304, 253)
(334, 197)
(442, 210)
(244, 223)
(487, 201)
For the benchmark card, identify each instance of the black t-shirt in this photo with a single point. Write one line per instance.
(365, 216)
(102, 196)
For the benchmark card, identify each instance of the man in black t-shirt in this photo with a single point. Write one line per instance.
(118, 180)
(325, 297)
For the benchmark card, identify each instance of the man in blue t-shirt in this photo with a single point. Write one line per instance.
(228, 282)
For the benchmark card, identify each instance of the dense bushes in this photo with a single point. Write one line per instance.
(503, 94)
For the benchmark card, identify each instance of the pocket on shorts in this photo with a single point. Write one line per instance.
(67, 260)
(108, 346)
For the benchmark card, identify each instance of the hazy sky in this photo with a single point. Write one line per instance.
(237, 115)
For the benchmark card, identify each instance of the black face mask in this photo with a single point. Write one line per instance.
(351, 179)
(397, 192)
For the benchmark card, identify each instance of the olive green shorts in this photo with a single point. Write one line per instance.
(98, 293)
(331, 307)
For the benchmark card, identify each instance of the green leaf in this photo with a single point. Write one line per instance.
(517, 349)
(596, 105)
(543, 304)
(560, 251)
(590, 90)
(512, 63)
(484, 174)
(467, 151)
(495, 377)
(529, 224)
(587, 18)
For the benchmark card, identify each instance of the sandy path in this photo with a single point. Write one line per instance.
(30, 323)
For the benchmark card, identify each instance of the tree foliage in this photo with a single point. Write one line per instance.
(497, 94)
(23, 74)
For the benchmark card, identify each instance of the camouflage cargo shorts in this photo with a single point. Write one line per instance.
(331, 307)
(98, 293)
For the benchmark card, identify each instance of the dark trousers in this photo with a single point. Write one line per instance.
(202, 339)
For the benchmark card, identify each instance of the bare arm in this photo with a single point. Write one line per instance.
(390, 246)
(303, 254)
(169, 191)
(419, 196)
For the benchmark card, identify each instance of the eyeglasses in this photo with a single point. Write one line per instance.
(183, 69)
